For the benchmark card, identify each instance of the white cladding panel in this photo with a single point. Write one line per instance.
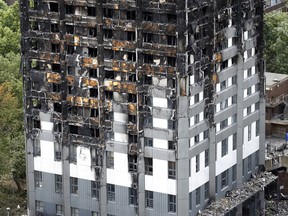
(48, 126)
(160, 123)
(46, 162)
(82, 169)
(160, 102)
(159, 181)
(120, 137)
(160, 143)
(119, 175)
(120, 117)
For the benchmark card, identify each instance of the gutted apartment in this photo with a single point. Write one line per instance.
(141, 107)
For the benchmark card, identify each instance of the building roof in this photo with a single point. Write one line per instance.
(274, 78)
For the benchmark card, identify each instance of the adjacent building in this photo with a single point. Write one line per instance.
(275, 5)
(276, 105)
(141, 107)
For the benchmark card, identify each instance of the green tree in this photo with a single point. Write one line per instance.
(276, 42)
(9, 28)
(12, 148)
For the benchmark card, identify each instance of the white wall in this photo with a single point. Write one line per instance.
(202, 176)
(46, 162)
(159, 182)
(119, 175)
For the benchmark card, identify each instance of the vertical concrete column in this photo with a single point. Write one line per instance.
(141, 181)
(182, 158)
(212, 163)
(66, 179)
(240, 93)
(103, 188)
(30, 176)
(25, 67)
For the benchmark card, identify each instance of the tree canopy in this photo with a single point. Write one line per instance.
(12, 151)
(276, 42)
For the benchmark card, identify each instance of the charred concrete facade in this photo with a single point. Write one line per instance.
(140, 107)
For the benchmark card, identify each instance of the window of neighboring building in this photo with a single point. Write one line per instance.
(249, 163)
(198, 196)
(234, 141)
(95, 189)
(39, 205)
(234, 173)
(257, 127)
(110, 160)
(197, 164)
(249, 132)
(148, 166)
(133, 196)
(224, 179)
(171, 145)
(171, 170)
(74, 211)
(206, 192)
(190, 201)
(148, 141)
(57, 151)
(59, 209)
(149, 199)
(171, 203)
(111, 192)
(132, 163)
(224, 147)
(36, 147)
(74, 185)
(206, 157)
(38, 179)
(58, 183)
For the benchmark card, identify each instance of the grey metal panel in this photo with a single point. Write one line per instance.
(183, 109)
(162, 113)
(121, 205)
(46, 136)
(49, 208)
(45, 117)
(196, 129)
(227, 72)
(119, 127)
(195, 89)
(159, 133)
(117, 147)
(198, 148)
(84, 200)
(224, 114)
(251, 118)
(223, 95)
(229, 53)
(230, 32)
(251, 100)
(160, 154)
(183, 128)
(47, 192)
(119, 108)
(160, 205)
(253, 80)
(226, 132)
(249, 63)
(84, 212)
(30, 175)
(196, 108)
(250, 43)
(157, 92)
